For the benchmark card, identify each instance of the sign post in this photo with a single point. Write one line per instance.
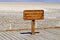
(33, 27)
(33, 15)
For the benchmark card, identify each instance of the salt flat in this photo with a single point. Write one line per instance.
(47, 34)
(12, 20)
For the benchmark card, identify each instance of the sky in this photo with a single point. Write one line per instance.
(29, 0)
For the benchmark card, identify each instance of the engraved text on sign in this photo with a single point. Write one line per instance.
(33, 14)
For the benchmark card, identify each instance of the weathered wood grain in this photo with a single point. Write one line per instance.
(33, 14)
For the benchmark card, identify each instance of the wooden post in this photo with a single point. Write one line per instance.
(33, 27)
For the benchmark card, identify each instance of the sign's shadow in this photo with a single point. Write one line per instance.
(28, 32)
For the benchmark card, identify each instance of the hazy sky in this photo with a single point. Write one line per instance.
(29, 0)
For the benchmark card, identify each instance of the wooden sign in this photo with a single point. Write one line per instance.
(33, 14)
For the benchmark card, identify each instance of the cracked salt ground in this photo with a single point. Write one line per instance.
(16, 21)
(45, 34)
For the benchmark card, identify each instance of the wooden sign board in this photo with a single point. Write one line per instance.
(33, 14)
